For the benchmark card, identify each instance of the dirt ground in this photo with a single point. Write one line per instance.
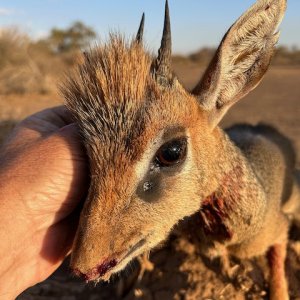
(179, 272)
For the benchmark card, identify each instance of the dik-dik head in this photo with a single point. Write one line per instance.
(152, 145)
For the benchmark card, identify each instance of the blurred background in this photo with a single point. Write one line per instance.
(40, 40)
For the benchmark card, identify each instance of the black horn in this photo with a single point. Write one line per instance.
(140, 33)
(162, 65)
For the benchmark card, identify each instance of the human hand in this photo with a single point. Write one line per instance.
(43, 178)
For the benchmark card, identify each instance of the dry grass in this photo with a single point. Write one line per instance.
(284, 56)
(27, 66)
(18, 72)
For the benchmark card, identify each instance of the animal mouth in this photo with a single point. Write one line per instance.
(134, 248)
(105, 269)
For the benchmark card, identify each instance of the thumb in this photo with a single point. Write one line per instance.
(71, 136)
(68, 139)
(70, 131)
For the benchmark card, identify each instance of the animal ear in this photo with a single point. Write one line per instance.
(242, 58)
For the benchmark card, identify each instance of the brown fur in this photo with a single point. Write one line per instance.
(239, 180)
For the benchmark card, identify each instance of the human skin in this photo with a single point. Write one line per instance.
(43, 180)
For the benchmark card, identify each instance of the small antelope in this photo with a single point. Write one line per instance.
(157, 155)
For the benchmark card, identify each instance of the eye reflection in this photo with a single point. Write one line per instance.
(172, 153)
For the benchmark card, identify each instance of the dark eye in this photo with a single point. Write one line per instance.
(171, 153)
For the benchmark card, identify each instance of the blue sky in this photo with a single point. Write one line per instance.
(195, 23)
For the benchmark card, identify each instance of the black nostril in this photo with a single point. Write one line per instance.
(98, 271)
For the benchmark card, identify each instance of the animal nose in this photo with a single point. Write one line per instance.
(98, 271)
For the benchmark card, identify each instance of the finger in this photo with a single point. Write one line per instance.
(70, 137)
(70, 130)
(41, 124)
(49, 119)
(63, 114)
(59, 239)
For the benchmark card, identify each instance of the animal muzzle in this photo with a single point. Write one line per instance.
(97, 272)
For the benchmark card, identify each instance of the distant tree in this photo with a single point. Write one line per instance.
(77, 36)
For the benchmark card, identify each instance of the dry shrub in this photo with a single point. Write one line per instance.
(284, 56)
(203, 56)
(24, 66)
(287, 56)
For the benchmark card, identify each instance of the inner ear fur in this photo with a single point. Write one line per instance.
(242, 58)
